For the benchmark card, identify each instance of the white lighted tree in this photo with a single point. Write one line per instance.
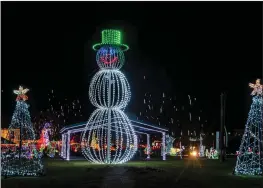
(24, 160)
(249, 159)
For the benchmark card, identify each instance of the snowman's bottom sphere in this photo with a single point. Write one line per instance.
(109, 137)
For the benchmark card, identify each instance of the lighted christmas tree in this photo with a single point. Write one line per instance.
(249, 159)
(110, 93)
(169, 143)
(24, 160)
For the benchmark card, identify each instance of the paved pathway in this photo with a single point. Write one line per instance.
(118, 177)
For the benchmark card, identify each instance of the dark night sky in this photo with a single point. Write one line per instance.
(197, 48)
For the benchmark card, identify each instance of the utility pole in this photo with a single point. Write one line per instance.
(222, 124)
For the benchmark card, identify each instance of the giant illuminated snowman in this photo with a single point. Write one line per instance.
(109, 91)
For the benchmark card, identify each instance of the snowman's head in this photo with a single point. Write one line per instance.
(110, 57)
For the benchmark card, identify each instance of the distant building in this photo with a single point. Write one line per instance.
(14, 136)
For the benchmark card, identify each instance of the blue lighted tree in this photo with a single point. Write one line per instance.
(249, 159)
(169, 143)
(24, 160)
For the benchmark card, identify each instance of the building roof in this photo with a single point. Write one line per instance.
(140, 127)
(5, 141)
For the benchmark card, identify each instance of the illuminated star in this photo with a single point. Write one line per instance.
(21, 93)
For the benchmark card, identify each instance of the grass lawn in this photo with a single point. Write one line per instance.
(186, 173)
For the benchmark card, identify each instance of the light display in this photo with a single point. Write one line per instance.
(148, 151)
(201, 147)
(173, 152)
(109, 136)
(212, 154)
(207, 153)
(26, 160)
(176, 152)
(202, 151)
(45, 134)
(46, 131)
(51, 150)
(249, 159)
(169, 143)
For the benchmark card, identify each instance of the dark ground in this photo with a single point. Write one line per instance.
(186, 173)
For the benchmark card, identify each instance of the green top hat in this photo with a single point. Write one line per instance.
(111, 37)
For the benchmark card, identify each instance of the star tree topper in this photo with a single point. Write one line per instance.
(257, 88)
(21, 93)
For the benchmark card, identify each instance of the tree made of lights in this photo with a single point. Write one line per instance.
(24, 160)
(169, 143)
(249, 159)
(109, 91)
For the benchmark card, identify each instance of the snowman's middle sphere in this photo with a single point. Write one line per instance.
(109, 89)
